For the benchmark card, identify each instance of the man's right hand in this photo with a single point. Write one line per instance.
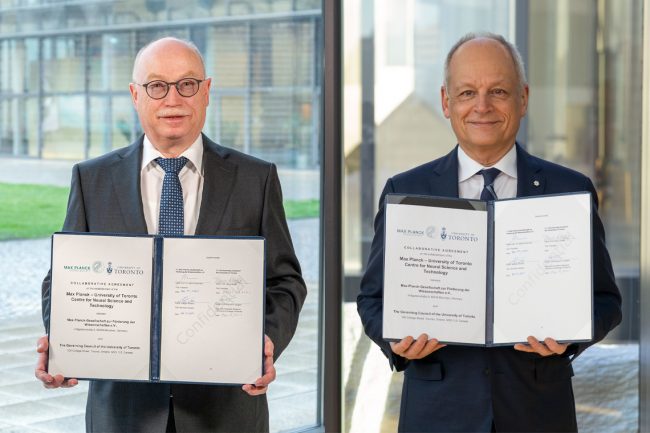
(48, 380)
(411, 348)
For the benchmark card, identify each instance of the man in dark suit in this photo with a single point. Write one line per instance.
(461, 389)
(224, 193)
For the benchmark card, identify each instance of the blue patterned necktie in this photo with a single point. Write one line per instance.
(170, 221)
(489, 174)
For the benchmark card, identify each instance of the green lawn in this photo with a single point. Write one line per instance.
(302, 208)
(31, 211)
(36, 211)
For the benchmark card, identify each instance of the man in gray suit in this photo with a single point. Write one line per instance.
(225, 193)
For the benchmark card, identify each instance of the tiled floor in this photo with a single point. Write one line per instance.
(605, 385)
(25, 405)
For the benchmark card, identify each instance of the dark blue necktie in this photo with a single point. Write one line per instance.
(170, 221)
(489, 174)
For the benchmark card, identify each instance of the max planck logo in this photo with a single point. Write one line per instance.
(410, 232)
(77, 268)
(98, 267)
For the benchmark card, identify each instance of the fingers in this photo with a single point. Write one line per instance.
(555, 347)
(41, 362)
(58, 381)
(261, 385)
(69, 383)
(48, 380)
(254, 389)
(268, 346)
(402, 346)
(416, 349)
(546, 348)
(431, 346)
(42, 344)
(44, 377)
(417, 346)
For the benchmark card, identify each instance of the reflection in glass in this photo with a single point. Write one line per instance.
(228, 59)
(109, 60)
(63, 124)
(281, 130)
(231, 122)
(584, 112)
(63, 64)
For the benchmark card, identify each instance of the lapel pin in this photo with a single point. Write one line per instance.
(536, 182)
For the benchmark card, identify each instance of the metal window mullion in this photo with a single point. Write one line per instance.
(315, 93)
(2, 107)
(87, 124)
(168, 26)
(644, 341)
(249, 93)
(218, 102)
(521, 39)
(41, 111)
(331, 221)
(134, 114)
(368, 129)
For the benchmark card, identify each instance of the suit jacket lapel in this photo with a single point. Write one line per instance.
(445, 180)
(218, 179)
(530, 176)
(125, 173)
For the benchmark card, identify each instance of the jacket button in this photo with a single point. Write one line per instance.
(486, 371)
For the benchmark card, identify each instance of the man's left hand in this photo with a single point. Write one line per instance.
(261, 385)
(547, 347)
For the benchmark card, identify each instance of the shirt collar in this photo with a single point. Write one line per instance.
(467, 167)
(194, 154)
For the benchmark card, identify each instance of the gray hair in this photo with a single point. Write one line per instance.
(189, 44)
(512, 49)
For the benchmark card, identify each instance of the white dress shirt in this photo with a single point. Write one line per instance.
(470, 182)
(190, 176)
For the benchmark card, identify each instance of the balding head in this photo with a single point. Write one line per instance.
(512, 50)
(161, 47)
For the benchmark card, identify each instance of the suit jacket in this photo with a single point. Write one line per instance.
(241, 197)
(468, 388)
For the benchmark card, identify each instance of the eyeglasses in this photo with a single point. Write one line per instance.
(158, 89)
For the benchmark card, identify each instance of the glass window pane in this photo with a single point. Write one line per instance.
(63, 64)
(232, 127)
(70, 93)
(585, 112)
(278, 53)
(16, 136)
(111, 124)
(100, 134)
(64, 119)
(110, 60)
(123, 125)
(227, 56)
(282, 129)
